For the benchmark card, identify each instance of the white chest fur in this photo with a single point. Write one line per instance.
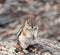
(29, 39)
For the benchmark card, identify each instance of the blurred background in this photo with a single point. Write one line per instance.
(12, 14)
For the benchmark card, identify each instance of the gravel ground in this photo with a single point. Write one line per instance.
(13, 14)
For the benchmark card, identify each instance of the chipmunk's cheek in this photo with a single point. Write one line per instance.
(35, 28)
(27, 28)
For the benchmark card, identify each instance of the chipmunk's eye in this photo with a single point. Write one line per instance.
(28, 22)
(32, 27)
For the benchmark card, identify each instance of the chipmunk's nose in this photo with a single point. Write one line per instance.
(32, 26)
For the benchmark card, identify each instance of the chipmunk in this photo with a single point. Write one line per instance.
(28, 33)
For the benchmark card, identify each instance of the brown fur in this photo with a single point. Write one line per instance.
(25, 29)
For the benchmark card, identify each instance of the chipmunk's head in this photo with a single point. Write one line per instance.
(31, 25)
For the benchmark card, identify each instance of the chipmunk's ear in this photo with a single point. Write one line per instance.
(27, 21)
